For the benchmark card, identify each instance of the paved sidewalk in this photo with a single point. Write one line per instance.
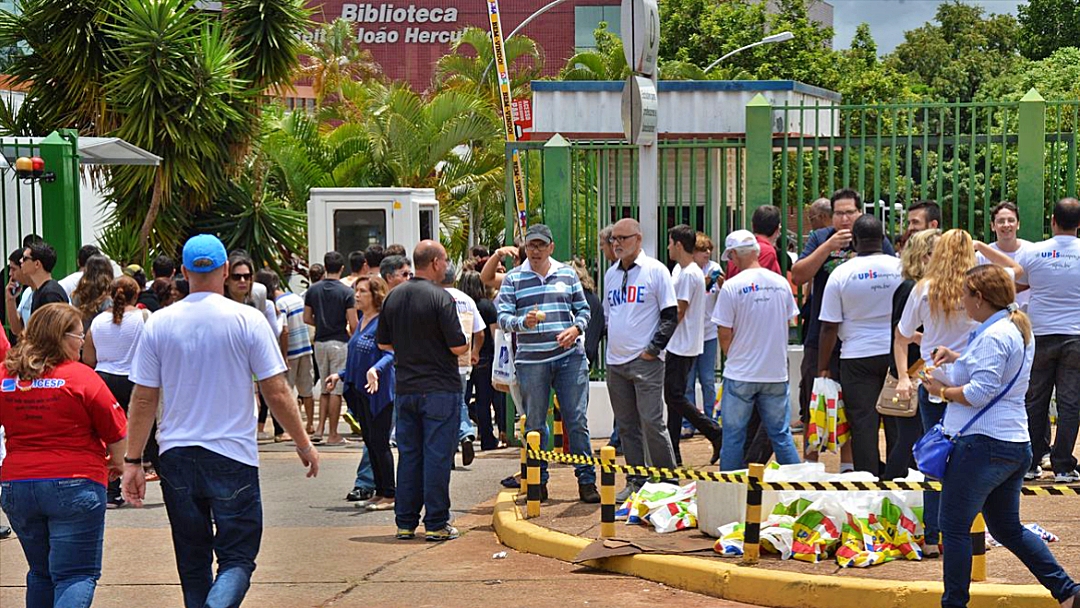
(320, 551)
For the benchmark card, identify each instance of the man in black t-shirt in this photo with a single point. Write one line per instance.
(419, 322)
(38, 261)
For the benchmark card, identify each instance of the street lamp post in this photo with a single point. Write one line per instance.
(781, 37)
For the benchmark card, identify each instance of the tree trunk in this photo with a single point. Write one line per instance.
(151, 215)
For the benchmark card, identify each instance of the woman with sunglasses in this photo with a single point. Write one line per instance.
(66, 437)
(240, 286)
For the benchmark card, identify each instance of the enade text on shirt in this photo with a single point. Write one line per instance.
(634, 294)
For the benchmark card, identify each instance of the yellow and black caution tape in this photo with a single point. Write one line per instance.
(805, 486)
(639, 470)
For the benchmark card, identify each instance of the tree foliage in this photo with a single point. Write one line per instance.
(963, 48)
(1048, 25)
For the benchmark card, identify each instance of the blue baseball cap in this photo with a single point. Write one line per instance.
(204, 253)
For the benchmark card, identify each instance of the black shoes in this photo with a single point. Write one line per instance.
(587, 493)
(5, 531)
(360, 494)
(468, 452)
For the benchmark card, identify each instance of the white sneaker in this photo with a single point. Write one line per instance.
(1045, 463)
(1070, 477)
(1033, 475)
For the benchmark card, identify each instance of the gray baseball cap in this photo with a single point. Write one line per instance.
(539, 232)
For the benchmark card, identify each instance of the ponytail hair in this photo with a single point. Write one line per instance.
(125, 292)
(998, 290)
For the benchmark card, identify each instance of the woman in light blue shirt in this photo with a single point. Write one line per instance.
(986, 469)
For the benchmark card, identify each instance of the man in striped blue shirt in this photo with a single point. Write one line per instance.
(543, 302)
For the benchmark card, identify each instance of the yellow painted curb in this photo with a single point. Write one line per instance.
(754, 585)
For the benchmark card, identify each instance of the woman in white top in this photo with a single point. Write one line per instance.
(986, 468)
(704, 369)
(936, 304)
(109, 348)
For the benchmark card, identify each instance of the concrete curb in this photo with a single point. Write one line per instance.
(754, 584)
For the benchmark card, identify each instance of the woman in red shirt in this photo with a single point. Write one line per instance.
(66, 437)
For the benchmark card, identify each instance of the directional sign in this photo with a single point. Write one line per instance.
(641, 35)
(639, 104)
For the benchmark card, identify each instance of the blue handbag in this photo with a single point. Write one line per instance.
(933, 450)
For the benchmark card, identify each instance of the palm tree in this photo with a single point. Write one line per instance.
(334, 59)
(174, 80)
(470, 65)
(607, 62)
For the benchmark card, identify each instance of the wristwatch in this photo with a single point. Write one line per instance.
(132, 460)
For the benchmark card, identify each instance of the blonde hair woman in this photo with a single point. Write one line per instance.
(993, 451)
(60, 459)
(902, 433)
(936, 304)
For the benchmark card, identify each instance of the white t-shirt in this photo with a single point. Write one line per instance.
(858, 296)
(1052, 269)
(70, 282)
(756, 304)
(115, 344)
(951, 333)
(689, 337)
(202, 352)
(471, 323)
(710, 299)
(1024, 297)
(633, 313)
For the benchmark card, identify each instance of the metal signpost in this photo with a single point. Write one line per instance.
(641, 44)
(509, 127)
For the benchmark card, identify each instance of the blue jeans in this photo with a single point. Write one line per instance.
(61, 526)
(736, 404)
(704, 372)
(569, 376)
(215, 507)
(466, 428)
(985, 474)
(930, 413)
(427, 429)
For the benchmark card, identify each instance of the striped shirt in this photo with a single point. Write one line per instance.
(291, 306)
(990, 361)
(558, 294)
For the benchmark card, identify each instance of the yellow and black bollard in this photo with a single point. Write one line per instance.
(532, 495)
(607, 492)
(523, 484)
(978, 549)
(558, 440)
(752, 529)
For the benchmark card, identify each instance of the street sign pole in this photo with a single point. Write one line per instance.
(505, 96)
(641, 44)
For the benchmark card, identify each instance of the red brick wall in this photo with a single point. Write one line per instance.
(414, 61)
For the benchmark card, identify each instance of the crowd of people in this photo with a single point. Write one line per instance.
(190, 367)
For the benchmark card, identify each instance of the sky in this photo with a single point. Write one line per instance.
(889, 19)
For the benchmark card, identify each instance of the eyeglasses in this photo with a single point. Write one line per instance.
(535, 246)
(71, 334)
(236, 276)
(405, 274)
(615, 238)
(850, 213)
(26, 259)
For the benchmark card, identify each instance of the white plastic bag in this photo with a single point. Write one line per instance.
(503, 372)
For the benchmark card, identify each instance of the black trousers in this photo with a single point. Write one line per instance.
(121, 388)
(375, 429)
(486, 397)
(676, 371)
(1056, 364)
(900, 436)
(862, 380)
(264, 411)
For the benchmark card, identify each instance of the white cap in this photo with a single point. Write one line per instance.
(740, 239)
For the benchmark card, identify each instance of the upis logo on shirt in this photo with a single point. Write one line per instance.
(10, 385)
(1050, 254)
(869, 274)
(751, 288)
